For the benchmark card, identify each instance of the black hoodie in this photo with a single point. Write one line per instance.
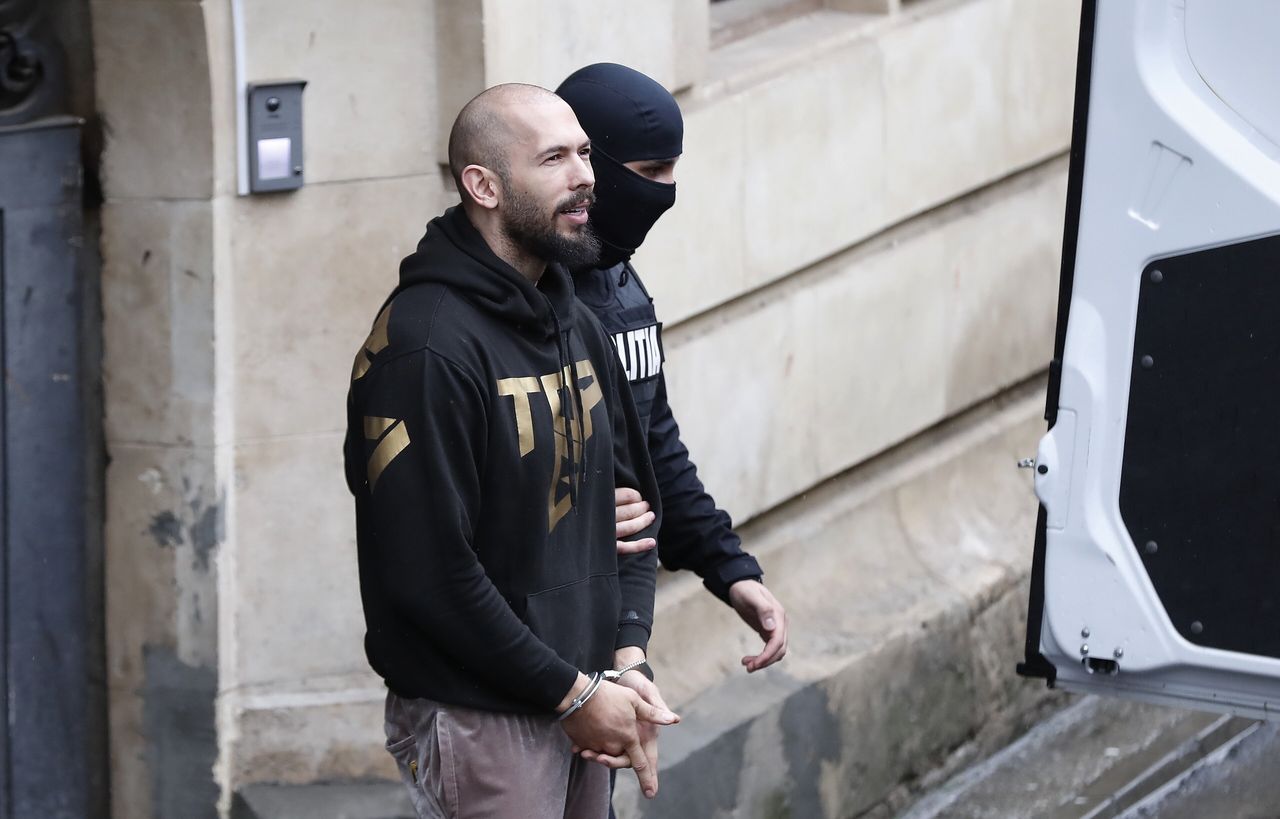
(487, 425)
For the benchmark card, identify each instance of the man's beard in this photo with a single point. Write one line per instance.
(527, 224)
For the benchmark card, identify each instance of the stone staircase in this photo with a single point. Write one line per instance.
(1108, 758)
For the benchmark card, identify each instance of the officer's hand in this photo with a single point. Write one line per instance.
(759, 609)
(633, 516)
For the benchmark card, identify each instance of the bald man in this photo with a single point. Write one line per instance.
(487, 424)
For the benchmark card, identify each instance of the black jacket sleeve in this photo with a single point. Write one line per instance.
(694, 534)
(637, 574)
(425, 498)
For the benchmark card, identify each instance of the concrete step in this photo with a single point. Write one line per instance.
(369, 800)
(1092, 760)
(905, 581)
(1238, 779)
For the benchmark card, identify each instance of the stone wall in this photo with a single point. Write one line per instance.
(234, 648)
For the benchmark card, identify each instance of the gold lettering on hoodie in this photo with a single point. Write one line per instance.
(549, 386)
(591, 394)
(520, 389)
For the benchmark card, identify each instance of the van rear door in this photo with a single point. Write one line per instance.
(1157, 566)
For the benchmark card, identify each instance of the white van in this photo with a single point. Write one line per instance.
(1157, 562)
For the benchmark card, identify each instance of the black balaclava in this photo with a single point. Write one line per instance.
(627, 117)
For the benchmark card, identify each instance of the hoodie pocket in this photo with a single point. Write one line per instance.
(578, 620)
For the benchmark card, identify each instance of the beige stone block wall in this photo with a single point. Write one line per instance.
(1039, 84)
(542, 43)
(310, 274)
(309, 279)
(158, 267)
(164, 501)
(944, 123)
(870, 347)
(482, 44)
(159, 135)
(162, 613)
(231, 322)
(1004, 290)
(851, 125)
(304, 705)
(704, 233)
(297, 609)
(230, 325)
(309, 271)
(369, 108)
(813, 170)
(332, 736)
(294, 628)
(160, 92)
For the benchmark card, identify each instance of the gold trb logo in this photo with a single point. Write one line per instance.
(549, 388)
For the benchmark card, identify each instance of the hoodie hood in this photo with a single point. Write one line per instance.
(453, 252)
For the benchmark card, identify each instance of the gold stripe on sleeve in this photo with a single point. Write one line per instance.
(391, 445)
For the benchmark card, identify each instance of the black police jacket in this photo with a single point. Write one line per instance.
(694, 533)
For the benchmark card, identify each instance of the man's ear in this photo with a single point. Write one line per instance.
(481, 184)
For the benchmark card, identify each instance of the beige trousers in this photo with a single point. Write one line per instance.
(460, 763)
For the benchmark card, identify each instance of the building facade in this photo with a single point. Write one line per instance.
(865, 245)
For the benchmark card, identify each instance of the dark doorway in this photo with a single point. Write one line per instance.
(52, 761)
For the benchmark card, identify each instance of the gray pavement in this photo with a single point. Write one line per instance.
(1093, 760)
(1239, 781)
(373, 800)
